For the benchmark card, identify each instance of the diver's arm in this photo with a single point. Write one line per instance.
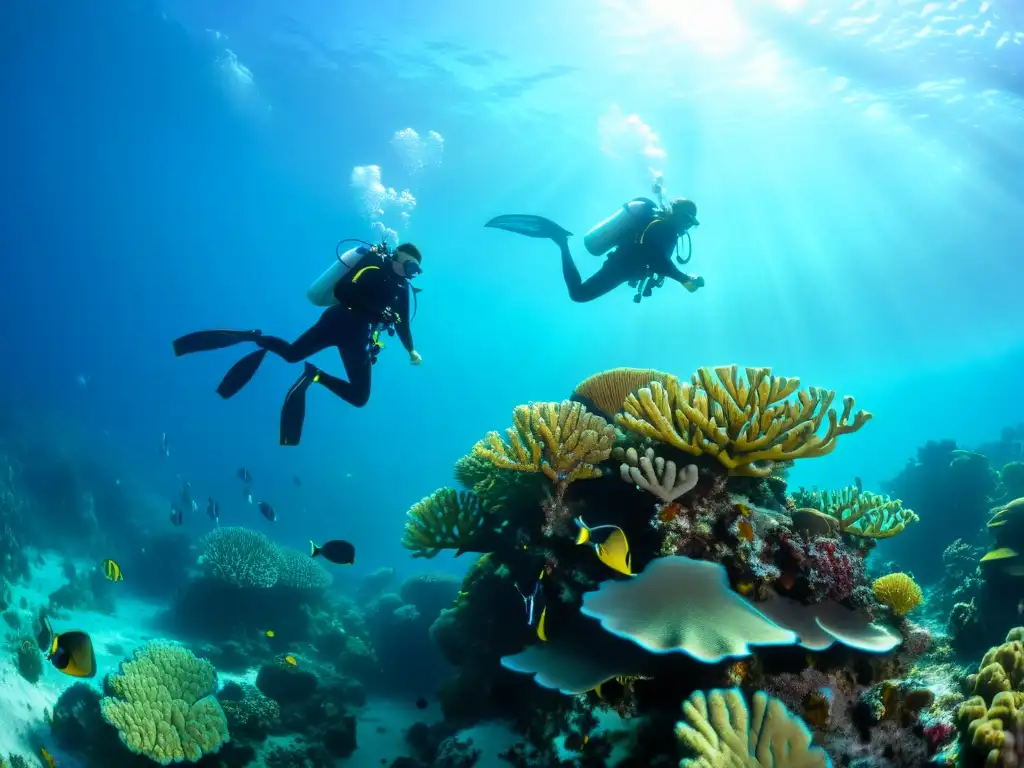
(662, 238)
(404, 327)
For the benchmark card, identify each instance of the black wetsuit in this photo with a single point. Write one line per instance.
(367, 293)
(626, 264)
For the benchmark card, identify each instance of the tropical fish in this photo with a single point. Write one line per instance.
(267, 511)
(177, 518)
(213, 510)
(269, 633)
(290, 661)
(112, 570)
(530, 604)
(335, 551)
(243, 475)
(626, 681)
(47, 758)
(195, 507)
(70, 652)
(613, 551)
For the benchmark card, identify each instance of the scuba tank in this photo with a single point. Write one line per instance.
(321, 292)
(621, 226)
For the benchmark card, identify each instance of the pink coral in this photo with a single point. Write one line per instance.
(832, 572)
(938, 734)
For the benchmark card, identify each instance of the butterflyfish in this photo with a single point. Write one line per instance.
(112, 570)
(613, 551)
(71, 652)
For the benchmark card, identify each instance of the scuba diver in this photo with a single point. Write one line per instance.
(366, 292)
(642, 237)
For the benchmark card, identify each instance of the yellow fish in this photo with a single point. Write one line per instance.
(112, 570)
(613, 551)
(290, 660)
(48, 758)
(269, 633)
(542, 633)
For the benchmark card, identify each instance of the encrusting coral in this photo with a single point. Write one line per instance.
(867, 515)
(163, 705)
(563, 440)
(653, 474)
(746, 424)
(898, 592)
(446, 519)
(723, 732)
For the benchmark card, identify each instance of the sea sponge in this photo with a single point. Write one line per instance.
(898, 592)
(563, 440)
(679, 604)
(242, 557)
(747, 425)
(723, 732)
(163, 705)
(608, 390)
(868, 515)
(446, 519)
(300, 571)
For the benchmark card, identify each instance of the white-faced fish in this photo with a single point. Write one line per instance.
(613, 551)
(112, 570)
(335, 551)
(267, 511)
(165, 445)
(213, 510)
(243, 475)
(177, 518)
(71, 652)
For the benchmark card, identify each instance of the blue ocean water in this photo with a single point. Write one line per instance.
(172, 166)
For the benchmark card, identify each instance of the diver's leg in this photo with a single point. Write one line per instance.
(356, 359)
(610, 276)
(318, 338)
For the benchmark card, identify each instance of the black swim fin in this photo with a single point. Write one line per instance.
(240, 374)
(204, 341)
(293, 412)
(531, 226)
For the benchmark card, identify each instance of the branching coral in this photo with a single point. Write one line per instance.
(608, 390)
(898, 592)
(867, 515)
(563, 440)
(747, 425)
(446, 519)
(658, 477)
(241, 557)
(722, 732)
(163, 705)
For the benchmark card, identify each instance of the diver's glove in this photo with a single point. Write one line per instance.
(415, 358)
(693, 283)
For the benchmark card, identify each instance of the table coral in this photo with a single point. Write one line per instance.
(163, 705)
(563, 440)
(746, 424)
(723, 732)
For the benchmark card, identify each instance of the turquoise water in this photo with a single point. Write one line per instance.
(180, 165)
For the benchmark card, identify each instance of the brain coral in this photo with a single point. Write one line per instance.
(163, 705)
(241, 557)
(300, 571)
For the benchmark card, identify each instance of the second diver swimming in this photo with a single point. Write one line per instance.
(366, 293)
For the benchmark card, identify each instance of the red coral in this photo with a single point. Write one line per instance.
(938, 734)
(831, 571)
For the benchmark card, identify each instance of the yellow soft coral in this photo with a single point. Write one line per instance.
(898, 592)
(563, 440)
(868, 515)
(608, 390)
(748, 425)
(163, 705)
(446, 519)
(723, 733)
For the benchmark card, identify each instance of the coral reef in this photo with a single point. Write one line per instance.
(163, 707)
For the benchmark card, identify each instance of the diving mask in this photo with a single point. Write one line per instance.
(410, 266)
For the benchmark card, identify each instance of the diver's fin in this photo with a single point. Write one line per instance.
(531, 226)
(293, 412)
(240, 374)
(204, 341)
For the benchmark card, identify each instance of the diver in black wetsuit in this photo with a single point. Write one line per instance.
(372, 296)
(642, 238)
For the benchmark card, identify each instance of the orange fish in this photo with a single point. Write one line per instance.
(745, 530)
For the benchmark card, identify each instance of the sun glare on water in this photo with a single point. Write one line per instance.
(711, 26)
